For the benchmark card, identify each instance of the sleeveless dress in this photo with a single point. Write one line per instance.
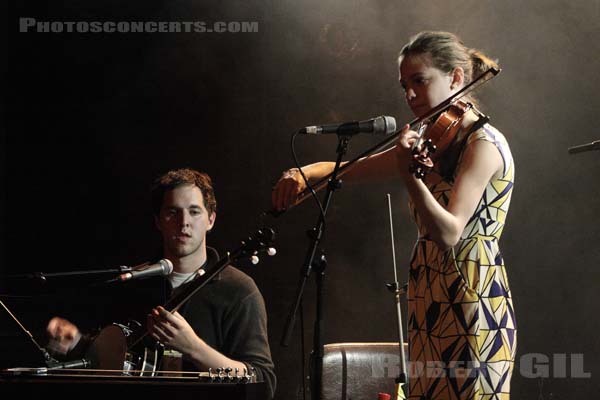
(461, 323)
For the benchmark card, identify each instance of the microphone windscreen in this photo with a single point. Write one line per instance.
(384, 125)
(167, 266)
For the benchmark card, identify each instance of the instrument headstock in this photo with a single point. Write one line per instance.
(259, 242)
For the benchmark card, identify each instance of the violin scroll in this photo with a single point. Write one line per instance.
(436, 137)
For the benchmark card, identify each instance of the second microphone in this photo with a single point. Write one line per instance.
(164, 267)
(382, 125)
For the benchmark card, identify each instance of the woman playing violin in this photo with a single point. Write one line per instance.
(461, 325)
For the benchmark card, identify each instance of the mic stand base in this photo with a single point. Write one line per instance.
(316, 358)
(401, 380)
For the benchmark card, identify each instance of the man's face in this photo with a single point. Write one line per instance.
(183, 221)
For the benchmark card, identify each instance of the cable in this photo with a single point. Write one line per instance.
(308, 185)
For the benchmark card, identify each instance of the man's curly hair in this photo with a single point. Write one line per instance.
(180, 177)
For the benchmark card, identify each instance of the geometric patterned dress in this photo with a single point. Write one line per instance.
(461, 323)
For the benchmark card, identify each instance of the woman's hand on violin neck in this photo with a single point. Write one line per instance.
(404, 149)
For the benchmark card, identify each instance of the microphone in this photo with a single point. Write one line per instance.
(164, 267)
(82, 363)
(382, 125)
(585, 147)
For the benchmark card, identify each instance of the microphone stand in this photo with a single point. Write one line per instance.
(42, 276)
(595, 145)
(395, 288)
(391, 140)
(319, 265)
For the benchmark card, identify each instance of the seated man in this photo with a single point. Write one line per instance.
(222, 325)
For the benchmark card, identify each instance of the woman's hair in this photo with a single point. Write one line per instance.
(447, 52)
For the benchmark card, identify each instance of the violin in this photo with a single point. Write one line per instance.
(392, 139)
(436, 137)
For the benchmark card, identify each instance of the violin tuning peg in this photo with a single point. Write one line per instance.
(430, 146)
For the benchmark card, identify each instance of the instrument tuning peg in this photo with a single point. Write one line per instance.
(271, 251)
(430, 146)
(254, 259)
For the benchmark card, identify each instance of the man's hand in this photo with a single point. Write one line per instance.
(64, 335)
(172, 330)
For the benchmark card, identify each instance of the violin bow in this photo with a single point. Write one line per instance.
(474, 84)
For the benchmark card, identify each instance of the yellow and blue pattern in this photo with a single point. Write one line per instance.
(461, 323)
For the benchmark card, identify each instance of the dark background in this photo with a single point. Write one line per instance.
(91, 119)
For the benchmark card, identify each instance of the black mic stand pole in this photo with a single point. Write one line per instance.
(319, 263)
(585, 147)
(42, 276)
(394, 287)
